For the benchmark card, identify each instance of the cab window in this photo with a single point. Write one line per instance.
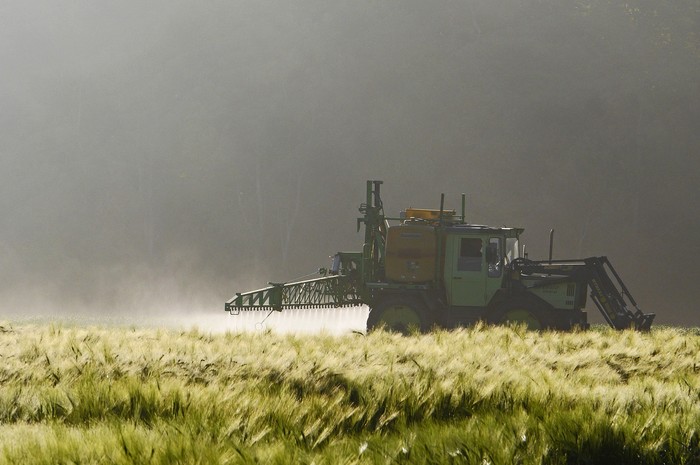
(494, 257)
(512, 249)
(470, 255)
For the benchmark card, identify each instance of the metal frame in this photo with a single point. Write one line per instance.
(329, 291)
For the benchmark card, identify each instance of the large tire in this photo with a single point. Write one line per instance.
(399, 314)
(520, 310)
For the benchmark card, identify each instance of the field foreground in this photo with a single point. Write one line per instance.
(478, 396)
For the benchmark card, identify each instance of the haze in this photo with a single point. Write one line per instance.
(159, 156)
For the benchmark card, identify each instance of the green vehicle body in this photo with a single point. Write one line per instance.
(429, 268)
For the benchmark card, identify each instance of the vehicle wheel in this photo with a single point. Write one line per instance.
(399, 314)
(521, 311)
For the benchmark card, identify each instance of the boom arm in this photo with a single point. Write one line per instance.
(326, 291)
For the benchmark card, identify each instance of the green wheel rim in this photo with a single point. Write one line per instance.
(401, 318)
(521, 315)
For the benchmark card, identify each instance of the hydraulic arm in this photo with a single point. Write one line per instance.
(611, 297)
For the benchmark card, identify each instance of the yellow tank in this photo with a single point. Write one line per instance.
(410, 253)
(428, 214)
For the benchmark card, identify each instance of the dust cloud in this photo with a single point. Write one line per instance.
(157, 157)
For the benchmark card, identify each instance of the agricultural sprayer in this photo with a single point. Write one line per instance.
(429, 267)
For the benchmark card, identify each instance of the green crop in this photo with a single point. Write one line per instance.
(477, 396)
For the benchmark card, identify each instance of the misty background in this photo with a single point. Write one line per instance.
(162, 155)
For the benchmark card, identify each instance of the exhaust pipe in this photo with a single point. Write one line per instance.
(551, 244)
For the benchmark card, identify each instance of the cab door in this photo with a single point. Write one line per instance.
(466, 270)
